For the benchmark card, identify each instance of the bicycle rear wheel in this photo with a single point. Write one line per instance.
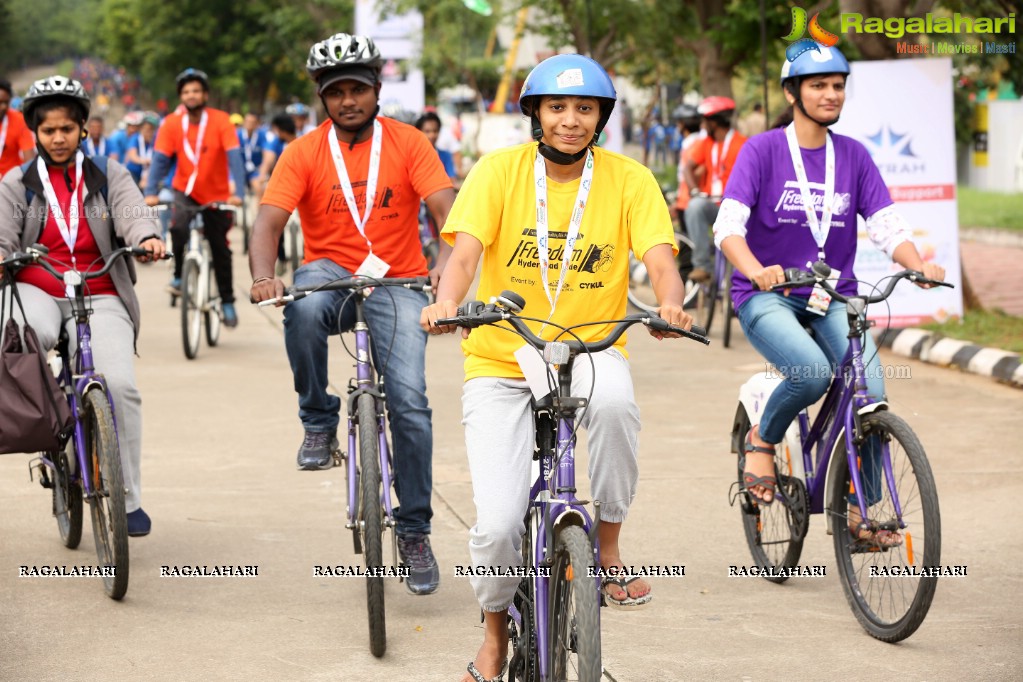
(371, 515)
(103, 462)
(67, 496)
(212, 314)
(728, 309)
(774, 532)
(574, 611)
(191, 308)
(888, 604)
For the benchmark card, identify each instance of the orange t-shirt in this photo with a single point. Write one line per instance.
(703, 156)
(211, 183)
(19, 139)
(305, 177)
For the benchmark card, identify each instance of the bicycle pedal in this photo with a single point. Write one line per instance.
(338, 457)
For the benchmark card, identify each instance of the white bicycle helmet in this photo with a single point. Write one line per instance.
(341, 51)
(54, 86)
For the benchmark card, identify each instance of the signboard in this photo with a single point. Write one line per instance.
(901, 110)
(399, 39)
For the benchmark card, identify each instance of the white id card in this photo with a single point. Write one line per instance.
(373, 266)
(541, 376)
(820, 299)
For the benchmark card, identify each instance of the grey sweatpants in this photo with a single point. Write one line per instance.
(113, 353)
(499, 440)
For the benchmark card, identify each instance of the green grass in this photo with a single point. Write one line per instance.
(990, 209)
(993, 329)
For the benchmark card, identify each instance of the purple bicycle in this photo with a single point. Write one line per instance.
(368, 463)
(554, 622)
(89, 466)
(870, 475)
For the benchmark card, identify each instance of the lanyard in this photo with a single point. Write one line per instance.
(193, 154)
(248, 145)
(371, 181)
(145, 152)
(717, 168)
(540, 179)
(92, 146)
(819, 228)
(68, 227)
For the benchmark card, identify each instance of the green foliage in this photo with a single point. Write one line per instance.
(978, 208)
(43, 31)
(992, 329)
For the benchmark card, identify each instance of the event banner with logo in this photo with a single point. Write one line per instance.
(901, 110)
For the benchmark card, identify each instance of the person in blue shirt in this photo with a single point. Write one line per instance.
(118, 142)
(429, 123)
(253, 141)
(95, 143)
(138, 152)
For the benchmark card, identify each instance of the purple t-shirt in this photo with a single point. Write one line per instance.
(778, 232)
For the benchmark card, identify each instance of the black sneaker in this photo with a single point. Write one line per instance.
(415, 552)
(317, 451)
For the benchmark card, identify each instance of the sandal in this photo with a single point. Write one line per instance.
(750, 481)
(623, 583)
(476, 675)
(870, 539)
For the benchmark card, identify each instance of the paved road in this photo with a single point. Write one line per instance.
(221, 486)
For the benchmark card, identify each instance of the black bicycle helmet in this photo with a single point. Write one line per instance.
(52, 87)
(189, 75)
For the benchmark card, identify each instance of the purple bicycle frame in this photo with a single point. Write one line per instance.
(365, 384)
(839, 414)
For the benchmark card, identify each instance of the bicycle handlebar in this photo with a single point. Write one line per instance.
(476, 314)
(357, 282)
(37, 254)
(821, 271)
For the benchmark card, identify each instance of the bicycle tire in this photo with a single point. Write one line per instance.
(574, 609)
(212, 314)
(109, 520)
(246, 232)
(371, 516)
(67, 496)
(706, 302)
(875, 600)
(524, 663)
(728, 308)
(775, 532)
(191, 309)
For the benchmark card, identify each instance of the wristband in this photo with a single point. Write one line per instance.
(260, 279)
(694, 191)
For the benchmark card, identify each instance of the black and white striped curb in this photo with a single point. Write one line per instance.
(936, 349)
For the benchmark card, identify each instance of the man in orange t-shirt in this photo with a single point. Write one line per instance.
(327, 174)
(17, 144)
(206, 146)
(716, 154)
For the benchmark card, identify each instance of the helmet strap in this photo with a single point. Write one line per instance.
(822, 124)
(550, 153)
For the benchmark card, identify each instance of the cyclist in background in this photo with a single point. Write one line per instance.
(139, 151)
(392, 166)
(205, 145)
(96, 144)
(764, 227)
(254, 141)
(282, 133)
(118, 142)
(687, 119)
(16, 141)
(300, 114)
(716, 154)
(569, 99)
(429, 124)
(65, 185)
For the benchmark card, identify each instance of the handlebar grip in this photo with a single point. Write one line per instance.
(448, 321)
(698, 330)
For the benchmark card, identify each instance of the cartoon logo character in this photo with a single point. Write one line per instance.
(819, 36)
(599, 258)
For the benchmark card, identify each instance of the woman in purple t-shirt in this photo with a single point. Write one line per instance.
(763, 228)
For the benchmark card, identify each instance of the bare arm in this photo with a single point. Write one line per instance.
(660, 266)
(454, 284)
(439, 205)
(266, 233)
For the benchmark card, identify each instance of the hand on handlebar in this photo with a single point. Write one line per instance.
(152, 200)
(265, 289)
(440, 310)
(155, 248)
(234, 200)
(675, 316)
(765, 278)
(933, 271)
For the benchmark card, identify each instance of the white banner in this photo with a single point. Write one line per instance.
(399, 39)
(901, 110)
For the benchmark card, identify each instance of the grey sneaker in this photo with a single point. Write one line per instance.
(317, 451)
(415, 552)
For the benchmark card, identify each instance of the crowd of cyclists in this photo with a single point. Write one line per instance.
(360, 181)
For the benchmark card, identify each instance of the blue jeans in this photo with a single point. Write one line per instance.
(699, 216)
(773, 325)
(308, 322)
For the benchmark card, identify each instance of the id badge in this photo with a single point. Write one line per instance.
(373, 266)
(820, 299)
(716, 189)
(541, 377)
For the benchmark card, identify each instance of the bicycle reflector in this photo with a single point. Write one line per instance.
(555, 353)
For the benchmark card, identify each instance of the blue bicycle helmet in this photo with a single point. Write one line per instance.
(818, 61)
(567, 74)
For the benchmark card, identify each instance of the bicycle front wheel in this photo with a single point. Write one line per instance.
(67, 496)
(896, 476)
(191, 308)
(109, 521)
(212, 312)
(371, 517)
(774, 532)
(573, 611)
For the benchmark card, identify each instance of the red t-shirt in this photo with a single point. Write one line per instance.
(703, 155)
(305, 177)
(86, 255)
(211, 183)
(19, 139)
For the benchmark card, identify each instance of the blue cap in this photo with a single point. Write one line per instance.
(815, 61)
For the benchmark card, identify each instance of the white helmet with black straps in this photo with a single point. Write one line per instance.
(49, 88)
(340, 51)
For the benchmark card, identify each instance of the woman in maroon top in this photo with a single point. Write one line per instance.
(65, 202)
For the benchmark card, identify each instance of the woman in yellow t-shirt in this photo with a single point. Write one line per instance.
(611, 204)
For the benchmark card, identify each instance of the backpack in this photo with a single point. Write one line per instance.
(99, 161)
